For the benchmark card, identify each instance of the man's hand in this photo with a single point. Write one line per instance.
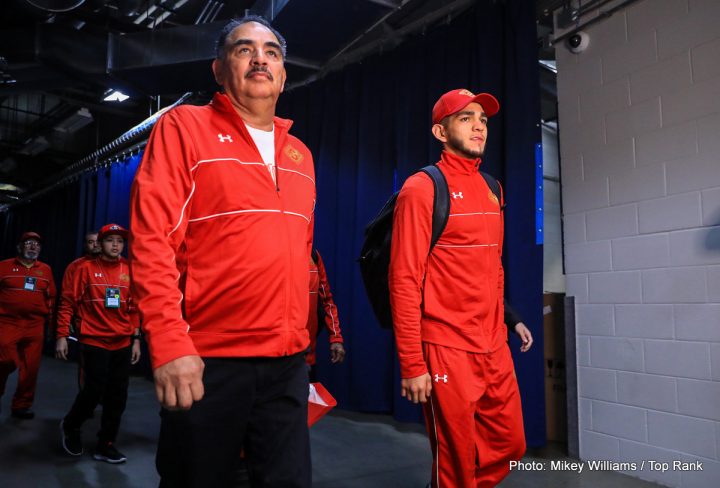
(337, 352)
(135, 351)
(179, 383)
(61, 348)
(525, 336)
(416, 389)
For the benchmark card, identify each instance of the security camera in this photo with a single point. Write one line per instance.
(578, 42)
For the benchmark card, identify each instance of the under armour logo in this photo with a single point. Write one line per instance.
(98, 275)
(15, 270)
(438, 378)
(225, 138)
(457, 195)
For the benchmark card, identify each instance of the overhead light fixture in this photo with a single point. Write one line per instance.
(75, 122)
(116, 96)
(9, 187)
(548, 64)
(34, 146)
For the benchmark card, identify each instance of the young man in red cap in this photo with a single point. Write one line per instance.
(109, 335)
(27, 295)
(448, 307)
(321, 296)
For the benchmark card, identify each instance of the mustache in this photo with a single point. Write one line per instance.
(259, 69)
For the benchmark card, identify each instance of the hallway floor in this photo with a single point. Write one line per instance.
(350, 450)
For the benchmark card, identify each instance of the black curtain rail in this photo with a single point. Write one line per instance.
(115, 151)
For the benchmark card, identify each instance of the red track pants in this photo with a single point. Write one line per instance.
(21, 348)
(473, 418)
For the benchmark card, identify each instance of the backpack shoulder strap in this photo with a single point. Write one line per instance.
(495, 188)
(441, 202)
(314, 255)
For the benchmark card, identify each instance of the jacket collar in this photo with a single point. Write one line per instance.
(459, 164)
(222, 103)
(35, 264)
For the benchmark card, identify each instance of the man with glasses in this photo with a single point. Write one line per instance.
(27, 294)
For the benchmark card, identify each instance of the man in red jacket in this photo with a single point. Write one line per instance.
(221, 219)
(321, 296)
(448, 307)
(27, 295)
(91, 246)
(98, 294)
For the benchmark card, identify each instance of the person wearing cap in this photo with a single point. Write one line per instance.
(447, 306)
(98, 294)
(221, 214)
(27, 295)
(322, 309)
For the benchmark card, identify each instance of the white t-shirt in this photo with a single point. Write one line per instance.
(265, 142)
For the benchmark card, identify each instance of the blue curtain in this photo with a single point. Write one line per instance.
(368, 127)
(63, 216)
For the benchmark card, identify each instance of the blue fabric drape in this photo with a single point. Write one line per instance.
(368, 127)
(64, 215)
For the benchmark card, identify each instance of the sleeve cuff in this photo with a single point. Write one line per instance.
(169, 346)
(412, 367)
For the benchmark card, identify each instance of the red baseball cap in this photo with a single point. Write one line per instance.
(456, 100)
(26, 236)
(112, 229)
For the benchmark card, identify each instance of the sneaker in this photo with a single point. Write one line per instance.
(106, 452)
(71, 440)
(23, 413)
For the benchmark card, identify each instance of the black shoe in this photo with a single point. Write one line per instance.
(106, 451)
(71, 440)
(23, 413)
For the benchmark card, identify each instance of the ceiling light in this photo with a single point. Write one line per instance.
(76, 121)
(116, 96)
(34, 146)
(9, 187)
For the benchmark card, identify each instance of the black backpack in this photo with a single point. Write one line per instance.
(375, 253)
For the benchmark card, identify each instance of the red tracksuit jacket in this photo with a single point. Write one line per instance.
(220, 252)
(84, 295)
(26, 294)
(320, 294)
(454, 296)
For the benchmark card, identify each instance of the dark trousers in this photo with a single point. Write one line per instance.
(104, 376)
(259, 404)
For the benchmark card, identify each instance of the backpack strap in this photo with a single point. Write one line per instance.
(314, 255)
(441, 202)
(495, 188)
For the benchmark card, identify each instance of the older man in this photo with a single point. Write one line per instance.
(27, 294)
(221, 221)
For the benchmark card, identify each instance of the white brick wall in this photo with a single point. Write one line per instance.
(640, 154)
(671, 213)
(612, 222)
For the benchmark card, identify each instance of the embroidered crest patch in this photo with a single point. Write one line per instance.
(293, 154)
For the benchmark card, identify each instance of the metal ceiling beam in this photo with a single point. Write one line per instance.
(303, 63)
(343, 57)
(268, 8)
(387, 3)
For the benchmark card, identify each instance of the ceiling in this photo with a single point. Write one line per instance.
(60, 58)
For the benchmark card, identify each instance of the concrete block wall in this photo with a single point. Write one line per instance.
(640, 162)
